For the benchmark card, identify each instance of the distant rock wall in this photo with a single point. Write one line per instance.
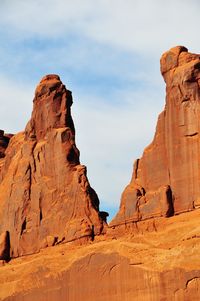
(166, 180)
(45, 196)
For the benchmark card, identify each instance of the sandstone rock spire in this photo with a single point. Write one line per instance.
(166, 180)
(45, 196)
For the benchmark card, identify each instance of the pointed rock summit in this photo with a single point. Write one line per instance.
(51, 108)
(166, 180)
(45, 196)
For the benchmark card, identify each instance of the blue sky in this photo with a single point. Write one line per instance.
(107, 53)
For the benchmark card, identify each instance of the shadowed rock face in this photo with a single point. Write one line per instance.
(5, 246)
(45, 196)
(4, 140)
(166, 179)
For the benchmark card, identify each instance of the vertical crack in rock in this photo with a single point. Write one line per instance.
(170, 211)
(23, 228)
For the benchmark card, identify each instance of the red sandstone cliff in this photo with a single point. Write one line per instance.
(45, 196)
(166, 179)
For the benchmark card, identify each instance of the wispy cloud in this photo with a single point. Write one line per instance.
(138, 25)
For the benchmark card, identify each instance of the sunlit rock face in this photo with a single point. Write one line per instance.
(45, 196)
(149, 252)
(166, 179)
(159, 262)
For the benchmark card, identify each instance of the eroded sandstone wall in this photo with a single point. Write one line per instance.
(45, 196)
(166, 179)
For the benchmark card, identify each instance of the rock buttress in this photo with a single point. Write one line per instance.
(166, 179)
(45, 195)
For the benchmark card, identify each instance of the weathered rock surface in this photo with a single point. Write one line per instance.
(159, 262)
(46, 199)
(166, 179)
(45, 196)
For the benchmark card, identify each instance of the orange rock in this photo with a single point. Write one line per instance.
(156, 263)
(166, 179)
(46, 199)
(44, 191)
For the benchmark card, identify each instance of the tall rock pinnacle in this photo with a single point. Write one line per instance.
(45, 196)
(52, 108)
(166, 180)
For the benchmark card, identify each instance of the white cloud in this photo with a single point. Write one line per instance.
(147, 26)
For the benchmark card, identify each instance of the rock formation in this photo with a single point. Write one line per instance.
(151, 266)
(45, 196)
(166, 179)
(45, 199)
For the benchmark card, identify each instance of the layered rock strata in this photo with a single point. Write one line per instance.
(45, 196)
(166, 179)
(157, 263)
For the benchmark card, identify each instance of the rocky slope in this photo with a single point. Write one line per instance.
(160, 261)
(45, 196)
(166, 179)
